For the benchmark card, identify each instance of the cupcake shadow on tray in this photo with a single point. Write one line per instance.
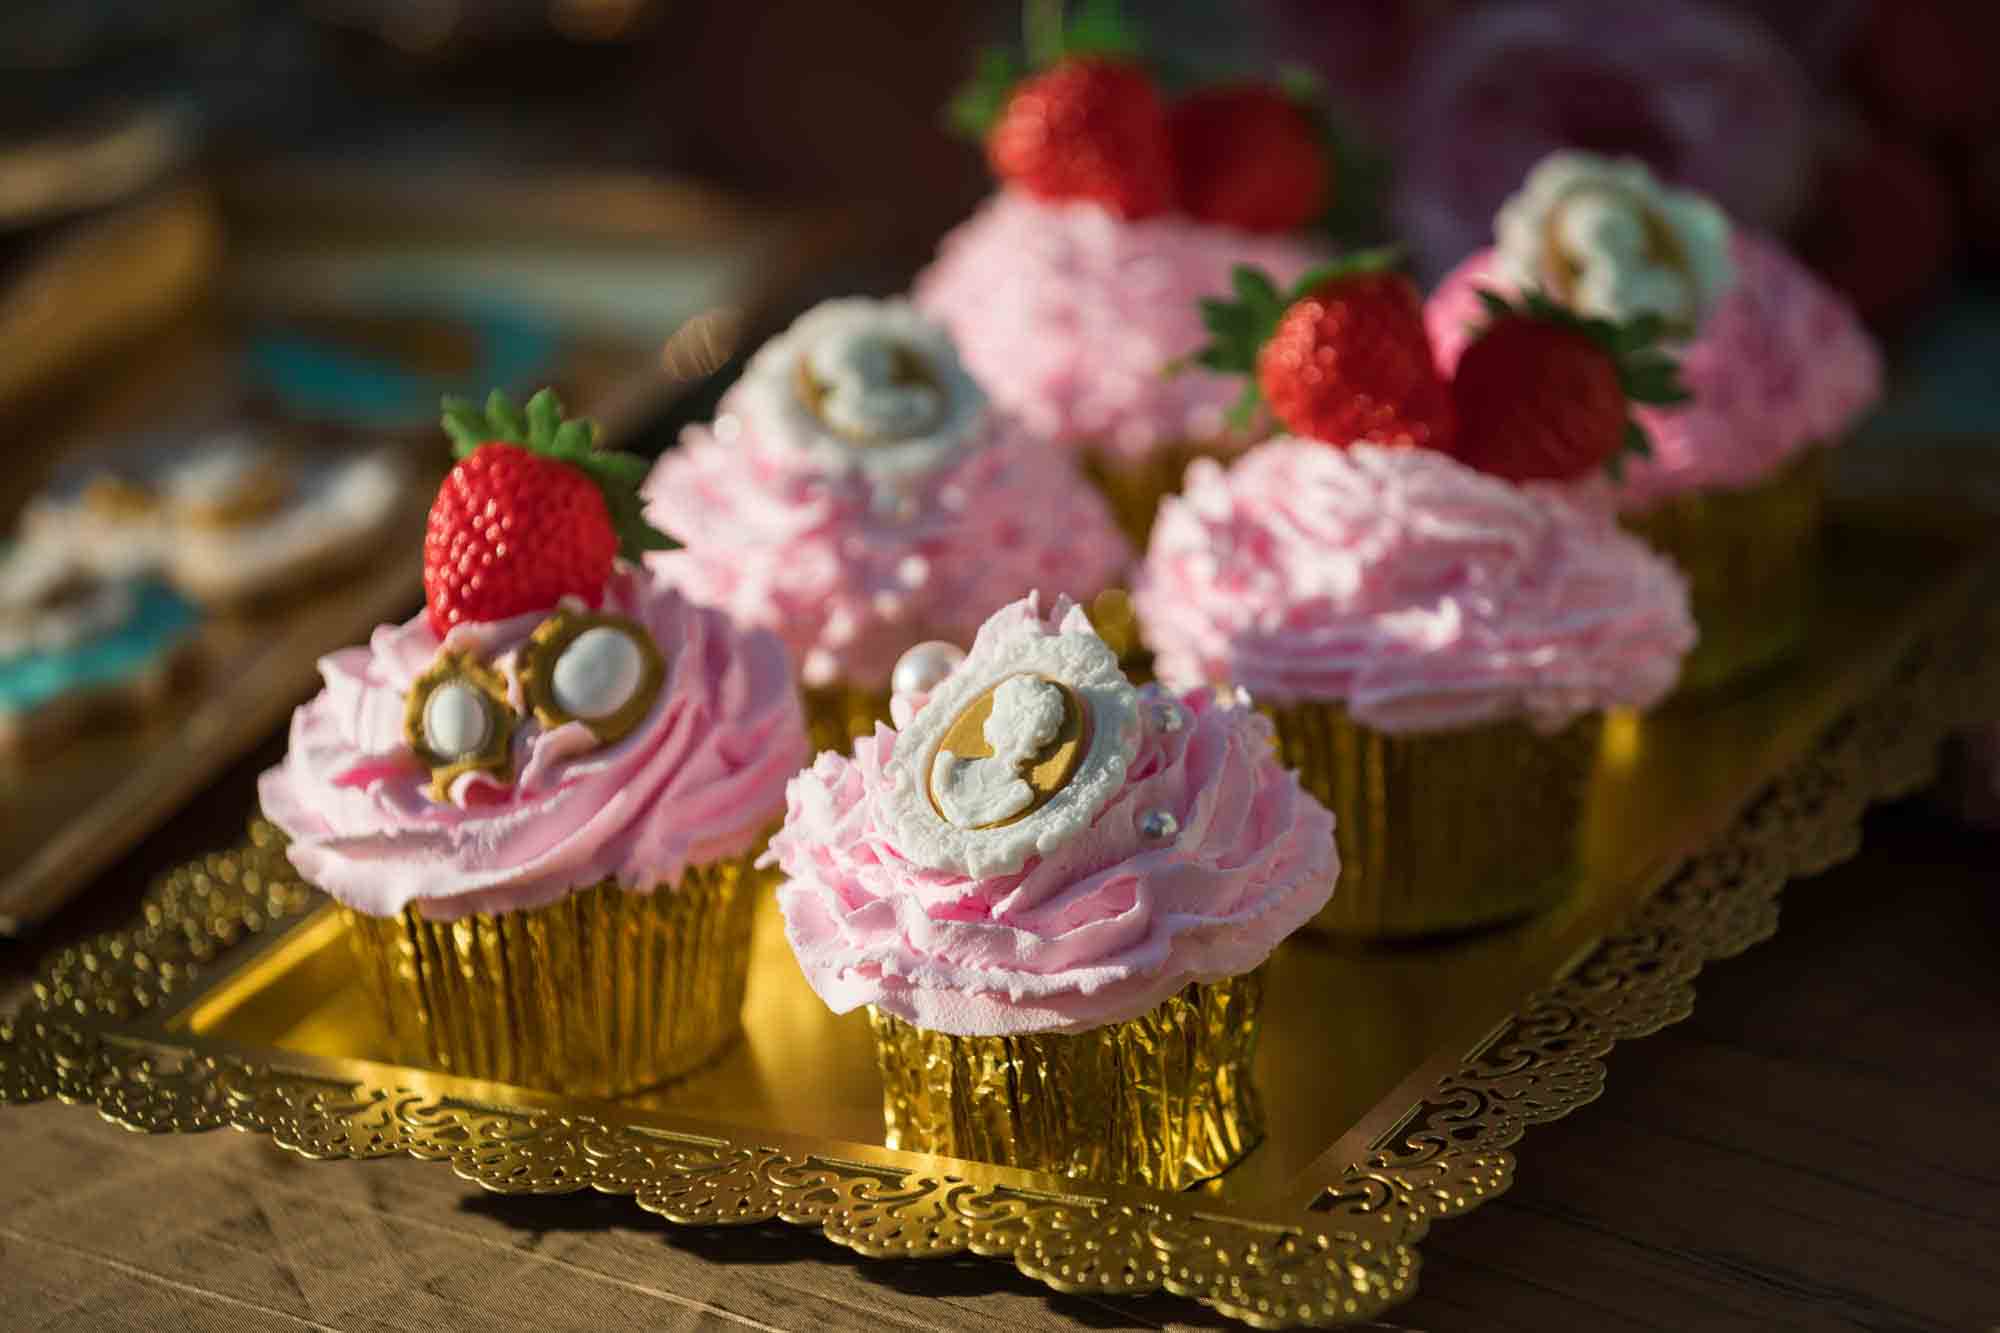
(1386, 640)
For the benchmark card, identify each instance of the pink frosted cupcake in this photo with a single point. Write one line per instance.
(1778, 364)
(1054, 891)
(857, 494)
(539, 801)
(1076, 284)
(1436, 647)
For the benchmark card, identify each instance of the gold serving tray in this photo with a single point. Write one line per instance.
(1397, 1079)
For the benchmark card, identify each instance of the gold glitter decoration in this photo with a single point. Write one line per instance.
(496, 756)
(545, 649)
(1446, 830)
(1052, 767)
(1751, 558)
(105, 1028)
(1164, 1099)
(601, 993)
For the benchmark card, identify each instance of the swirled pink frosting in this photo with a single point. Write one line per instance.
(1781, 364)
(849, 582)
(1068, 316)
(700, 780)
(1100, 930)
(1423, 595)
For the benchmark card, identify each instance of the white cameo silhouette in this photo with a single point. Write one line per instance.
(978, 793)
(873, 386)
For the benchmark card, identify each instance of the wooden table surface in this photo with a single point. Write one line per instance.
(1817, 1147)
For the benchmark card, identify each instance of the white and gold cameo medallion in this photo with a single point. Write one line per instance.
(1015, 753)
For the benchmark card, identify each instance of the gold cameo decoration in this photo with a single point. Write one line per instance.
(985, 775)
(457, 720)
(258, 490)
(602, 670)
(907, 370)
(119, 498)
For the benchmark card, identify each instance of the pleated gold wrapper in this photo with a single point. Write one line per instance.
(601, 994)
(1442, 831)
(1751, 557)
(1134, 487)
(837, 714)
(1163, 1100)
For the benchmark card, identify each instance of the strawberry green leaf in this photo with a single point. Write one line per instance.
(1381, 259)
(977, 105)
(545, 414)
(1098, 29)
(542, 429)
(466, 425)
(505, 418)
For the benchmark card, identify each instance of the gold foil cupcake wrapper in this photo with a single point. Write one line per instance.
(1163, 1100)
(837, 714)
(1442, 831)
(1134, 487)
(1751, 557)
(603, 993)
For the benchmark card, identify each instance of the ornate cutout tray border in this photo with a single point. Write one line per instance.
(1341, 1246)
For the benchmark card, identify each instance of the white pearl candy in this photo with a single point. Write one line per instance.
(456, 721)
(597, 674)
(1158, 825)
(924, 667)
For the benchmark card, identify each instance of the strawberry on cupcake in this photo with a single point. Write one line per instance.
(1119, 206)
(1778, 365)
(546, 791)
(1434, 629)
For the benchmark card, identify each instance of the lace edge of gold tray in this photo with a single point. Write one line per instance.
(1349, 1256)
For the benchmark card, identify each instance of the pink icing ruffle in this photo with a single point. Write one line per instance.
(1068, 316)
(1097, 932)
(1781, 363)
(773, 538)
(1422, 594)
(700, 780)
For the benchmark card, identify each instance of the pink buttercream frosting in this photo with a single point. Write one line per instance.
(851, 571)
(701, 778)
(1068, 316)
(1781, 364)
(1423, 595)
(1098, 930)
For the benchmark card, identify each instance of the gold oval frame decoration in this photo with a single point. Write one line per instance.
(545, 649)
(495, 757)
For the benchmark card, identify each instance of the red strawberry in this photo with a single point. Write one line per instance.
(1250, 156)
(1090, 129)
(1342, 358)
(531, 513)
(1545, 395)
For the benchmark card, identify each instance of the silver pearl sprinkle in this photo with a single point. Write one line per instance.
(1158, 825)
(924, 667)
(1168, 716)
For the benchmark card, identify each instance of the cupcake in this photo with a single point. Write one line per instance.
(1435, 644)
(539, 802)
(1053, 892)
(1777, 363)
(857, 494)
(1075, 284)
(76, 643)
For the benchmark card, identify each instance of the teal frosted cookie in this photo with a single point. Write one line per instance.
(73, 642)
